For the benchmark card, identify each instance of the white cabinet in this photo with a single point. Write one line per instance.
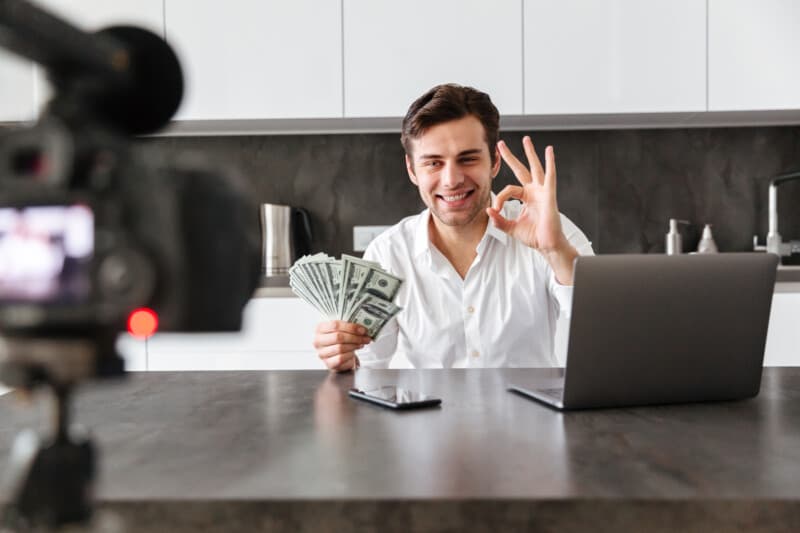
(276, 334)
(255, 59)
(614, 56)
(753, 55)
(16, 88)
(783, 338)
(395, 51)
(92, 15)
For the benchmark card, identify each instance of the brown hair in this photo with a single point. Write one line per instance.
(447, 102)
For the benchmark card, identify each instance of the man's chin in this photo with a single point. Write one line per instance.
(455, 219)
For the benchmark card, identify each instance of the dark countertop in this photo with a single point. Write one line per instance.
(290, 451)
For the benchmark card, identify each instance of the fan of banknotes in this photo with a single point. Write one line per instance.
(349, 289)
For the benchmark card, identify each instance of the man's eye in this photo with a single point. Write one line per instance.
(433, 164)
(468, 159)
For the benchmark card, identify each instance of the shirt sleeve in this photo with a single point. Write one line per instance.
(378, 353)
(563, 293)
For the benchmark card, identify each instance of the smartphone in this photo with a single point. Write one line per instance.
(395, 397)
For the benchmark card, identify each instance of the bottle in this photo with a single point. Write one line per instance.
(674, 244)
(707, 244)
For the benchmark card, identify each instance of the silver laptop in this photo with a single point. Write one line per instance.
(657, 329)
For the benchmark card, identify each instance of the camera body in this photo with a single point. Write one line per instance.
(94, 228)
(95, 225)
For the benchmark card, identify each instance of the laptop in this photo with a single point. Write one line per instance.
(660, 329)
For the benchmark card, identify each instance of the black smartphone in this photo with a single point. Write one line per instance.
(395, 397)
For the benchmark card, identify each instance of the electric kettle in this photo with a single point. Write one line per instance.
(285, 237)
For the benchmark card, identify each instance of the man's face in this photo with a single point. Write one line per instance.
(452, 168)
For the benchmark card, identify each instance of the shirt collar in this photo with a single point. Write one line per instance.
(422, 242)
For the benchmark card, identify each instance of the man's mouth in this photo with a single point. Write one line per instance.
(454, 198)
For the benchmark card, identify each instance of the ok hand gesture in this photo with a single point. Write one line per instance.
(539, 223)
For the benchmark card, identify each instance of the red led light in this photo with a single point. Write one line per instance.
(142, 322)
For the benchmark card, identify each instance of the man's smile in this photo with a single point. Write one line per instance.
(455, 199)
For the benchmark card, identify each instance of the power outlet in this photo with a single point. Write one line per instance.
(363, 235)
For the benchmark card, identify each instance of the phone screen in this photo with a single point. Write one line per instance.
(395, 397)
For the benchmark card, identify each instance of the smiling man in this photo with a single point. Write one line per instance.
(485, 278)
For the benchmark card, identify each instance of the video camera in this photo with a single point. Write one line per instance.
(94, 227)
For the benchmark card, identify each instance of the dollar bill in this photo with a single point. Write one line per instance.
(347, 289)
(373, 313)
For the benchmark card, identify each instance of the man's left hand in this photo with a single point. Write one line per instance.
(539, 222)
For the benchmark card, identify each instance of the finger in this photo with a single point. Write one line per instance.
(550, 161)
(347, 366)
(508, 192)
(503, 224)
(533, 160)
(321, 340)
(335, 362)
(340, 325)
(520, 171)
(336, 349)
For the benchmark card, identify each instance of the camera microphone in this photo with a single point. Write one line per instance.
(131, 77)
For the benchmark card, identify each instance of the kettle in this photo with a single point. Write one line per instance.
(285, 237)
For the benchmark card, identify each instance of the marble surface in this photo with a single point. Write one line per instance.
(619, 186)
(289, 451)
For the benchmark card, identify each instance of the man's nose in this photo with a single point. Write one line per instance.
(451, 176)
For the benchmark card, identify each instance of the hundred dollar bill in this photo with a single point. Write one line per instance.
(333, 271)
(354, 270)
(380, 283)
(373, 313)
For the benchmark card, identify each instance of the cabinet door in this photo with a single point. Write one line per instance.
(16, 88)
(753, 55)
(614, 56)
(255, 59)
(395, 51)
(276, 334)
(783, 337)
(92, 15)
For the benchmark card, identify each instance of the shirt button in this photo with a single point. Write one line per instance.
(470, 309)
(475, 353)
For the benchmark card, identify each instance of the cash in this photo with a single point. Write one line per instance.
(349, 289)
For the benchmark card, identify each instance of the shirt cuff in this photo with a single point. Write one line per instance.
(563, 295)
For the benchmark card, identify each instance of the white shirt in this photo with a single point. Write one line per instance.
(502, 314)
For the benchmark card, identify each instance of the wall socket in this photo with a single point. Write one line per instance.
(363, 235)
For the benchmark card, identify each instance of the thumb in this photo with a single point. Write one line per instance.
(502, 223)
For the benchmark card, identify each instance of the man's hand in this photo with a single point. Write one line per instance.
(539, 222)
(336, 342)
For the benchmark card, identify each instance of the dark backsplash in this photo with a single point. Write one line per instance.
(620, 186)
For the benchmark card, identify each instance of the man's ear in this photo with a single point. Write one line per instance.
(498, 161)
(410, 169)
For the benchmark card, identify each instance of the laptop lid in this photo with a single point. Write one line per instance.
(653, 329)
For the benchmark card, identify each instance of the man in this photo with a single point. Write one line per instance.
(477, 292)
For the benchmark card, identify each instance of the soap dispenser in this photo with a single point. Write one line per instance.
(674, 244)
(707, 244)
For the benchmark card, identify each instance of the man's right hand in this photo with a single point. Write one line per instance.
(336, 342)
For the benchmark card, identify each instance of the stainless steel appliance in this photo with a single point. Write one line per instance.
(285, 236)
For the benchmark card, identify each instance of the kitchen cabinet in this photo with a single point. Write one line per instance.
(616, 56)
(257, 59)
(753, 51)
(783, 338)
(16, 88)
(92, 15)
(276, 334)
(394, 51)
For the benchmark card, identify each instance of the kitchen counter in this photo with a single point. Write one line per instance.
(786, 280)
(289, 451)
